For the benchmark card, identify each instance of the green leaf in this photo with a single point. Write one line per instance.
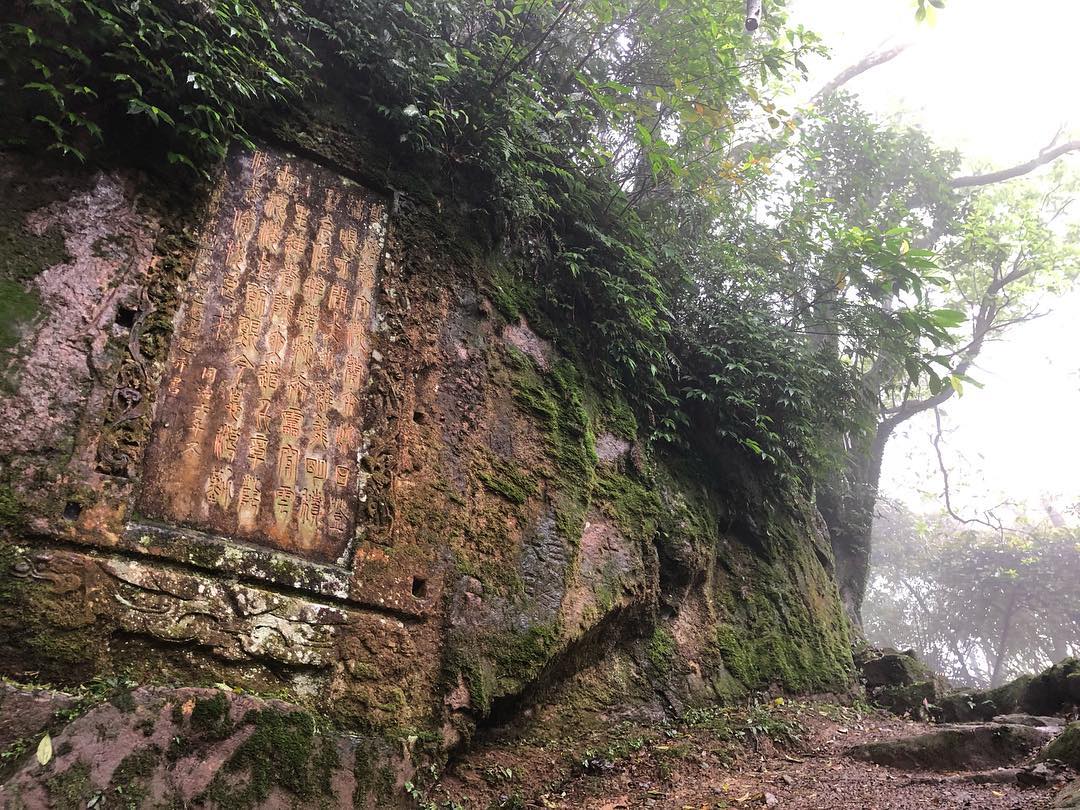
(948, 318)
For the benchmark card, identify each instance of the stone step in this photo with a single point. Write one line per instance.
(971, 747)
(1031, 720)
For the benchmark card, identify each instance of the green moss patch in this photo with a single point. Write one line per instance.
(19, 306)
(24, 254)
(557, 400)
(129, 786)
(661, 649)
(72, 789)
(506, 479)
(284, 751)
(210, 717)
(504, 663)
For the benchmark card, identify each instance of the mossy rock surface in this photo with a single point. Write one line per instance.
(1066, 747)
(890, 668)
(208, 748)
(916, 700)
(1050, 692)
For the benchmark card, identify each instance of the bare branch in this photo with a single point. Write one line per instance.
(1047, 155)
(871, 60)
(997, 525)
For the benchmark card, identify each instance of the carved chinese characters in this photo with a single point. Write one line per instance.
(258, 428)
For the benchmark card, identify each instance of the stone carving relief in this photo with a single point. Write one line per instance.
(235, 621)
(259, 430)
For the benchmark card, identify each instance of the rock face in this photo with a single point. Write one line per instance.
(957, 748)
(281, 438)
(25, 713)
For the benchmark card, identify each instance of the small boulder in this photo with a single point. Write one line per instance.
(1072, 687)
(917, 700)
(1038, 775)
(982, 705)
(899, 682)
(956, 748)
(889, 668)
(1069, 797)
(1053, 691)
(1066, 748)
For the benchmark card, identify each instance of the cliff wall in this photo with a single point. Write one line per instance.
(301, 436)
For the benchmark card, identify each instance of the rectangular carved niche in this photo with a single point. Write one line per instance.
(258, 425)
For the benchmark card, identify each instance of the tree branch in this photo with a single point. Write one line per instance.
(1048, 155)
(871, 60)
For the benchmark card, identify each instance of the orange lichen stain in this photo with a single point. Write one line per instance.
(372, 555)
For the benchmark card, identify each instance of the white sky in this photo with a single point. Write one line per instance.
(995, 79)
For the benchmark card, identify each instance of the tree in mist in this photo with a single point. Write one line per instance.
(982, 606)
(985, 254)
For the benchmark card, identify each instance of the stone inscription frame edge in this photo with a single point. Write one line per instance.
(156, 539)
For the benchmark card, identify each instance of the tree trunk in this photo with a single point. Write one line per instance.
(847, 501)
(997, 677)
(1060, 646)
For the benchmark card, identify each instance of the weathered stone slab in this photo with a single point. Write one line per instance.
(258, 429)
(1030, 720)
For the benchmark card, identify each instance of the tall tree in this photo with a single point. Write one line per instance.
(996, 244)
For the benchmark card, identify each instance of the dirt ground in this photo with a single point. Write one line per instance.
(781, 754)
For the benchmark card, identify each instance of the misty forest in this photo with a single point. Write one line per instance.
(602, 404)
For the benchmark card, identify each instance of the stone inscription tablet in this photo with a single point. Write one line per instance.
(257, 430)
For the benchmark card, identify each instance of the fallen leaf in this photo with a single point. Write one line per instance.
(44, 750)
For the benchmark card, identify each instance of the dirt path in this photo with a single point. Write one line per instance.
(790, 756)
